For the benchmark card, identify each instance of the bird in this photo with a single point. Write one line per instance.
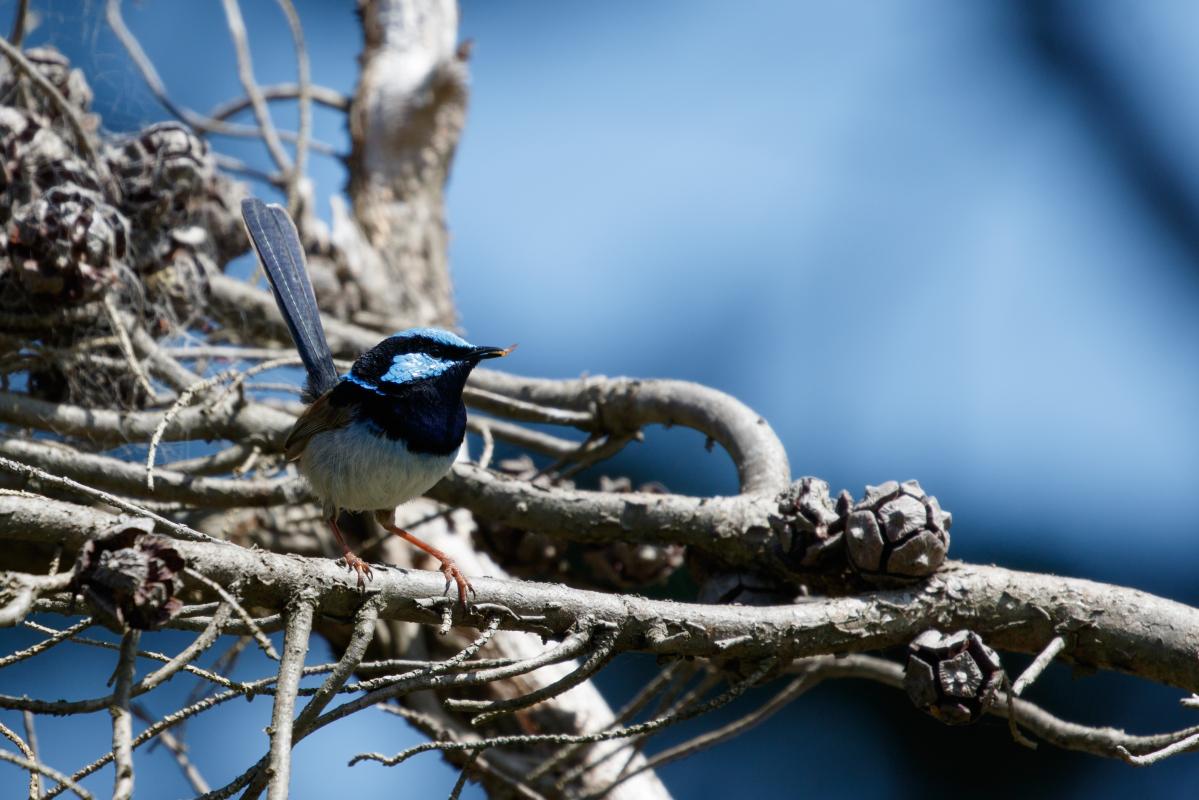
(386, 431)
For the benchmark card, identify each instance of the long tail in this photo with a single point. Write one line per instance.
(278, 245)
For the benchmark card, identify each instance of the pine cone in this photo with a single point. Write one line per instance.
(955, 678)
(897, 531)
(130, 577)
(162, 170)
(56, 68)
(67, 245)
(34, 159)
(809, 527)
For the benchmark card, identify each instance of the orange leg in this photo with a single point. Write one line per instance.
(353, 562)
(448, 567)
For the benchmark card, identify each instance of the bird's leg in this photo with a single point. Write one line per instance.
(448, 567)
(353, 562)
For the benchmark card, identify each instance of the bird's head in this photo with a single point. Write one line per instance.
(419, 356)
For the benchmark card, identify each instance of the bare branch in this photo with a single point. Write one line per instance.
(245, 72)
(305, 98)
(176, 529)
(295, 648)
(734, 691)
(18, 23)
(1181, 746)
(1106, 742)
(322, 95)
(1136, 633)
(779, 701)
(1043, 659)
(259, 637)
(49, 772)
(178, 751)
(599, 655)
(31, 736)
(30, 756)
(130, 479)
(122, 719)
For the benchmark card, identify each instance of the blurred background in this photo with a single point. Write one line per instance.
(927, 239)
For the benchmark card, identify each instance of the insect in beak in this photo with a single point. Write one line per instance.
(481, 353)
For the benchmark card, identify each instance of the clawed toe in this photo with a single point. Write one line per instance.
(363, 570)
(454, 575)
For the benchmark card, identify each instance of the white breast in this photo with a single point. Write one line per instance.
(356, 470)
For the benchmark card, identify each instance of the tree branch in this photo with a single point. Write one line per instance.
(1120, 629)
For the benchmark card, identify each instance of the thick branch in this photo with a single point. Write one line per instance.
(1118, 629)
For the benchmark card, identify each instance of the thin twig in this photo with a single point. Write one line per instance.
(351, 659)
(122, 719)
(435, 730)
(598, 657)
(321, 95)
(184, 398)
(456, 791)
(488, 446)
(180, 530)
(1182, 746)
(671, 702)
(245, 73)
(148, 654)
(1038, 665)
(27, 751)
(31, 737)
(513, 408)
(627, 712)
(291, 666)
(194, 120)
(126, 346)
(64, 781)
(725, 732)
(178, 750)
(535, 441)
(732, 693)
(18, 28)
(45, 644)
(143, 63)
(1013, 725)
(22, 592)
(264, 643)
(305, 97)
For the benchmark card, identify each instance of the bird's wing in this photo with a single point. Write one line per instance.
(320, 416)
(278, 244)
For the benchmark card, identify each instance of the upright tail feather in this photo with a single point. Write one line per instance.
(278, 245)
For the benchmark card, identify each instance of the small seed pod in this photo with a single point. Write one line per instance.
(808, 525)
(130, 577)
(953, 677)
(55, 68)
(897, 531)
(67, 245)
(162, 170)
(33, 159)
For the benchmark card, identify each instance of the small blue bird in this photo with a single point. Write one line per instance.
(386, 431)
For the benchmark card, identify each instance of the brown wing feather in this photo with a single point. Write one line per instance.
(320, 416)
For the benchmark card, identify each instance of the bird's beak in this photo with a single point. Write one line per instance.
(481, 353)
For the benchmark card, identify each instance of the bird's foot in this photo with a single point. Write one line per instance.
(454, 575)
(363, 569)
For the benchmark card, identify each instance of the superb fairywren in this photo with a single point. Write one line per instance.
(386, 431)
